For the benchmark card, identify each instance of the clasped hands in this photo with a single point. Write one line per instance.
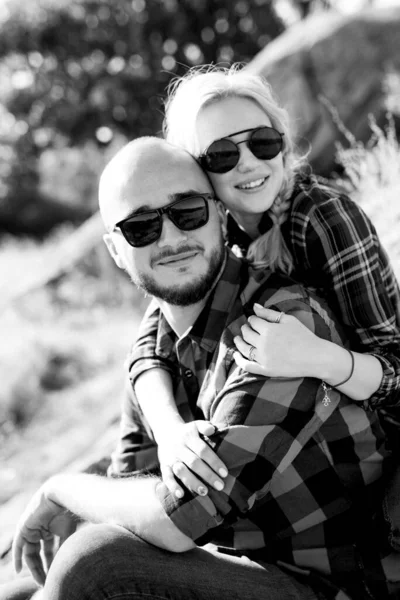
(284, 348)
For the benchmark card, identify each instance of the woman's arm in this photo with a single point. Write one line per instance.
(181, 450)
(363, 292)
(286, 348)
(337, 249)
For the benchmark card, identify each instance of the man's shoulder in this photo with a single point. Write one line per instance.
(283, 293)
(264, 286)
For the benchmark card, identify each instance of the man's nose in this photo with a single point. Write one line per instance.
(171, 235)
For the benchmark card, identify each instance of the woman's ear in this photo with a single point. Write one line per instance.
(109, 242)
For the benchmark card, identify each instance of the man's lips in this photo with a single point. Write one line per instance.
(177, 258)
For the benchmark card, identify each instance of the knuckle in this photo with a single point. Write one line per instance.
(194, 463)
(203, 453)
(178, 468)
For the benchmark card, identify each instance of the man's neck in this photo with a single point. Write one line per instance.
(181, 318)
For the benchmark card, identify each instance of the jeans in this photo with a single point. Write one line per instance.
(106, 562)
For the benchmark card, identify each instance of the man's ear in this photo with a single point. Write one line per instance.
(109, 242)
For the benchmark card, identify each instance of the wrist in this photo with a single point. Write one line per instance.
(338, 365)
(52, 489)
(167, 425)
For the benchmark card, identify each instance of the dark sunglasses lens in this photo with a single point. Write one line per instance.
(190, 213)
(142, 230)
(221, 157)
(265, 143)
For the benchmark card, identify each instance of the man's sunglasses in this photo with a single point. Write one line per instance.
(145, 228)
(223, 155)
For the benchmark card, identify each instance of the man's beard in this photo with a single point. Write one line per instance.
(190, 293)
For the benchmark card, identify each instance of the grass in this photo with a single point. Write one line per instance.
(57, 343)
(372, 178)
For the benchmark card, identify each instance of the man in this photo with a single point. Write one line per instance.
(294, 519)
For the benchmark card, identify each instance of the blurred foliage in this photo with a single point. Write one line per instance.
(77, 75)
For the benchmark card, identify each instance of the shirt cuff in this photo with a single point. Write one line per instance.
(193, 515)
(387, 395)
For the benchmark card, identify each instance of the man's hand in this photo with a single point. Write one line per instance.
(40, 524)
(184, 454)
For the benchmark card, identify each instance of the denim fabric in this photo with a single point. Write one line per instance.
(107, 562)
(391, 508)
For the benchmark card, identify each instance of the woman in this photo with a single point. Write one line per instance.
(282, 218)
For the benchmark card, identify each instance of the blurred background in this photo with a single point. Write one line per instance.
(78, 79)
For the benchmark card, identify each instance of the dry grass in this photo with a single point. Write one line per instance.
(372, 178)
(57, 344)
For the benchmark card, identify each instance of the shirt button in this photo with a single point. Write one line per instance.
(188, 373)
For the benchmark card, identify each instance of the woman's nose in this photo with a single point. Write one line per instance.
(247, 160)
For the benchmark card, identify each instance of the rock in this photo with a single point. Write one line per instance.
(343, 59)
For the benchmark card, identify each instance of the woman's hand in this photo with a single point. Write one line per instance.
(184, 454)
(284, 348)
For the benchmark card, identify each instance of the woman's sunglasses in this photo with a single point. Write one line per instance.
(223, 155)
(145, 228)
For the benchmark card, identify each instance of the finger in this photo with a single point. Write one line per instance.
(48, 551)
(267, 313)
(205, 427)
(189, 480)
(212, 464)
(199, 473)
(249, 335)
(34, 561)
(258, 324)
(17, 548)
(247, 365)
(242, 346)
(168, 478)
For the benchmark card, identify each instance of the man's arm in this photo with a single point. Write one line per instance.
(131, 503)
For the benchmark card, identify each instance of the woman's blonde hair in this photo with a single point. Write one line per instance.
(205, 85)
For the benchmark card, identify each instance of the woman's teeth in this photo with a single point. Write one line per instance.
(252, 184)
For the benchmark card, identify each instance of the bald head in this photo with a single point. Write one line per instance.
(142, 168)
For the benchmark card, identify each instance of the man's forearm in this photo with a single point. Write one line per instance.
(131, 503)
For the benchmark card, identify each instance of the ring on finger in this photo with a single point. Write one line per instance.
(252, 353)
(279, 317)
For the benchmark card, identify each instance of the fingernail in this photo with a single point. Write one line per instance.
(202, 490)
(256, 305)
(219, 485)
(223, 472)
(179, 494)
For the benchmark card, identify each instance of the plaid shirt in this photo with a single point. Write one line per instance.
(302, 473)
(337, 252)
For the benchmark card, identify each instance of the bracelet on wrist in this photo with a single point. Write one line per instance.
(351, 371)
(326, 400)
